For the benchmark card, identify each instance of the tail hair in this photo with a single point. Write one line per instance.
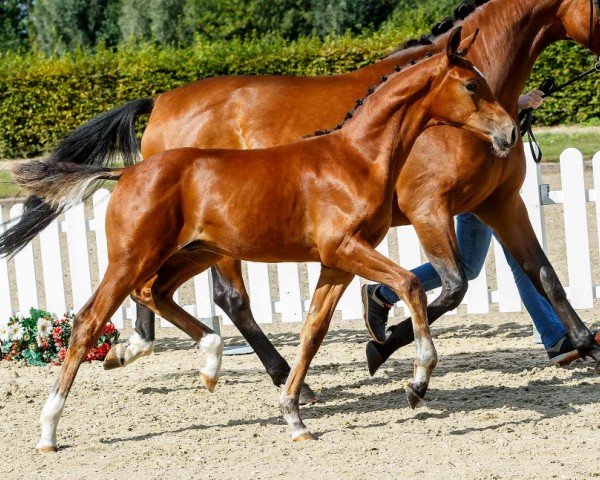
(105, 138)
(80, 160)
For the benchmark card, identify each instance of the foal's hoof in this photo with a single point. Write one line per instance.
(47, 449)
(307, 396)
(598, 368)
(303, 437)
(209, 383)
(113, 358)
(374, 359)
(413, 397)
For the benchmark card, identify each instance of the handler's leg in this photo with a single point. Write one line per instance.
(440, 244)
(330, 287)
(508, 217)
(360, 258)
(473, 238)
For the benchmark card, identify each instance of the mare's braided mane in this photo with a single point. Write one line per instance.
(461, 12)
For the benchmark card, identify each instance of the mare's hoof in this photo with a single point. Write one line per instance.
(598, 368)
(413, 397)
(113, 359)
(307, 396)
(47, 449)
(374, 359)
(209, 383)
(304, 437)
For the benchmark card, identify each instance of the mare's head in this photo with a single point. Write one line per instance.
(461, 97)
(578, 20)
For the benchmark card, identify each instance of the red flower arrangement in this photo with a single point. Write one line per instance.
(43, 338)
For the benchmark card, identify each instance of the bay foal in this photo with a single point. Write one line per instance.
(329, 201)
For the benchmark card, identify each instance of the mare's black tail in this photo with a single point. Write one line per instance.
(92, 147)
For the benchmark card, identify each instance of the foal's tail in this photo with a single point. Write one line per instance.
(54, 187)
(79, 159)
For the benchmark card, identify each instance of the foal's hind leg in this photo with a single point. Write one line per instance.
(330, 288)
(88, 324)
(158, 295)
(230, 294)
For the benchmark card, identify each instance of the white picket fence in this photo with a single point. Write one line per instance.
(24, 281)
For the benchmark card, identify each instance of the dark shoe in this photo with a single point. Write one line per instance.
(564, 352)
(375, 313)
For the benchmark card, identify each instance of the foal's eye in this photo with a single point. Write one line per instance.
(471, 87)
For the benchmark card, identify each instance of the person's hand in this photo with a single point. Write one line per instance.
(532, 99)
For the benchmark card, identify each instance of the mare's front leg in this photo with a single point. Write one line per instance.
(358, 257)
(330, 287)
(229, 293)
(508, 217)
(438, 239)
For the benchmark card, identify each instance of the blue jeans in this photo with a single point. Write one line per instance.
(473, 243)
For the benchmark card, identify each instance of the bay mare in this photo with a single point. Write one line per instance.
(262, 111)
(182, 210)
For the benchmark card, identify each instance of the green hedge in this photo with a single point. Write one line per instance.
(42, 99)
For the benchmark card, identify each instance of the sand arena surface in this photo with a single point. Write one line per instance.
(495, 410)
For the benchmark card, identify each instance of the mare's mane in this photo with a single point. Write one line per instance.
(461, 12)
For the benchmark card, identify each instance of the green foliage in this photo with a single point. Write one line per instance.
(65, 25)
(340, 16)
(43, 98)
(580, 102)
(13, 25)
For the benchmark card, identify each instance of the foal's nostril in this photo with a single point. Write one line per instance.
(513, 136)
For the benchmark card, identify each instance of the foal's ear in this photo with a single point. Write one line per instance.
(467, 43)
(453, 43)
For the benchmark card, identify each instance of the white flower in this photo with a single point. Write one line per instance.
(16, 331)
(4, 335)
(44, 327)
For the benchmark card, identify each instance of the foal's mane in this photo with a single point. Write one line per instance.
(464, 9)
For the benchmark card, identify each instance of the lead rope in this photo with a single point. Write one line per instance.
(549, 88)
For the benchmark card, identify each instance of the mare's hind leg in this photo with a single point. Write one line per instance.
(116, 285)
(158, 295)
(330, 288)
(230, 294)
(140, 344)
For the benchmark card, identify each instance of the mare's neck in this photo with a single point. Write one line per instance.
(512, 36)
(384, 129)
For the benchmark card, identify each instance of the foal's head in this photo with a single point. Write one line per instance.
(461, 97)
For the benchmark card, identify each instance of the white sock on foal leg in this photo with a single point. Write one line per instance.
(211, 346)
(49, 419)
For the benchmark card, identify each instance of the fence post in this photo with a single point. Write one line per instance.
(52, 270)
(79, 265)
(260, 292)
(290, 302)
(25, 270)
(5, 303)
(596, 173)
(576, 229)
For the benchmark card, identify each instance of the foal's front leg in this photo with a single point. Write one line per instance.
(330, 288)
(360, 258)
